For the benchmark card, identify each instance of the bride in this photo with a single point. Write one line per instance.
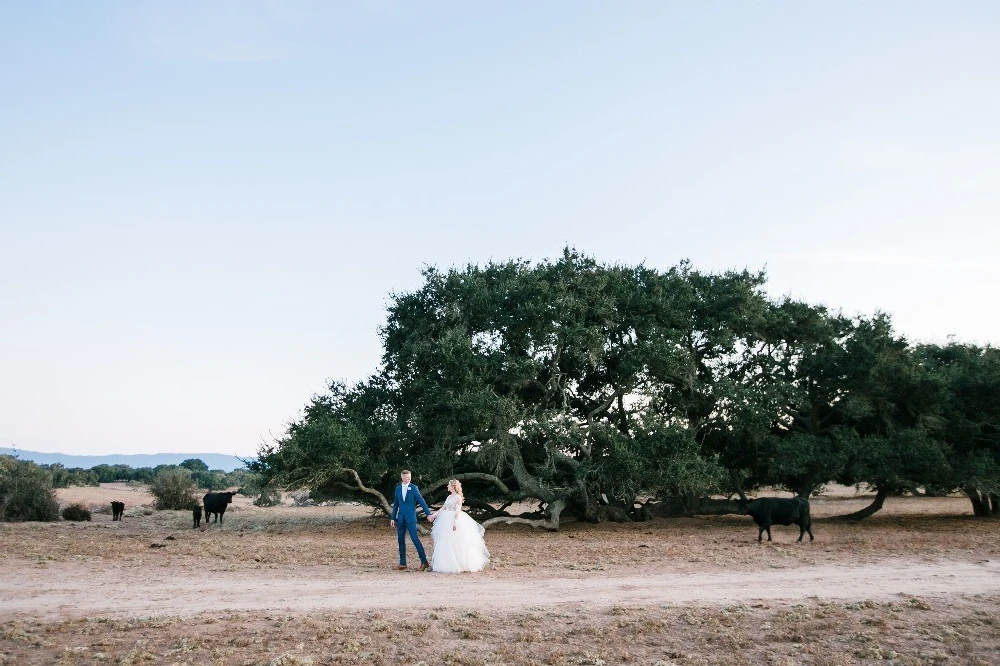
(458, 539)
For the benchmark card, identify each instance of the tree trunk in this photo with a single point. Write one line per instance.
(708, 506)
(669, 507)
(875, 506)
(550, 522)
(672, 507)
(995, 504)
(642, 512)
(586, 507)
(613, 513)
(805, 490)
(980, 502)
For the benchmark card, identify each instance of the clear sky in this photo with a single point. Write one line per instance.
(205, 206)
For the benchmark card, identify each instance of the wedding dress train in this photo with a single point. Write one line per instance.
(459, 549)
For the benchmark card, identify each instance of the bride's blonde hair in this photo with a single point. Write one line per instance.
(458, 487)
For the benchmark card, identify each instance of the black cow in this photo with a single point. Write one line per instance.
(767, 511)
(117, 509)
(196, 512)
(216, 503)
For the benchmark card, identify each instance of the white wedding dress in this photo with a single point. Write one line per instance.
(459, 549)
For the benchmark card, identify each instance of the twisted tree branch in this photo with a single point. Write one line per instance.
(358, 485)
(469, 476)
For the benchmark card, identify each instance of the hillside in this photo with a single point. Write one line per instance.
(213, 460)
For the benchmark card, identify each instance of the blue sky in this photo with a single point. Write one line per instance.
(205, 207)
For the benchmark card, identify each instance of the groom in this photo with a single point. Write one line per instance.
(404, 518)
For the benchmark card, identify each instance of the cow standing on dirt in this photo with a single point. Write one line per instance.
(196, 513)
(767, 511)
(216, 503)
(117, 509)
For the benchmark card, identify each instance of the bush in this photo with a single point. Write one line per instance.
(209, 480)
(75, 476)
(76, 511)
(174, 489)
(268, 497)
(251, 485)
(26, 491)
(302, 498)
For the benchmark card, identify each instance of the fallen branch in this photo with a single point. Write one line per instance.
(541, 523)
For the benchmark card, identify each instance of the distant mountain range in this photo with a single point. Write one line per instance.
(213, 460)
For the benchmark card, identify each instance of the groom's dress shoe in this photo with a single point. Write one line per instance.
(425, 566)
(401, 567)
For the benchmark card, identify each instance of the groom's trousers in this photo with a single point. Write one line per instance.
(401, 530)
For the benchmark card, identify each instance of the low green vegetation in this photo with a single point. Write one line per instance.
(63, 477)
(76, 512)
(26, 491)
(174, 489)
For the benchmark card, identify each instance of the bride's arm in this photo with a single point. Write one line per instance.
(458, 510)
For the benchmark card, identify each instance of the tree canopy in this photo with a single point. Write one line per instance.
(607, 391)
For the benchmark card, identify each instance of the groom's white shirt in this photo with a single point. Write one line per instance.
(406, 487)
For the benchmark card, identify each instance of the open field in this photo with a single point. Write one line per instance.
(918, 583)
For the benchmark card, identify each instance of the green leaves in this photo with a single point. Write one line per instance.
(174, 489)
(26, 491)
(572, 380)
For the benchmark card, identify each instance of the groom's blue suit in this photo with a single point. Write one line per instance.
(404, 512)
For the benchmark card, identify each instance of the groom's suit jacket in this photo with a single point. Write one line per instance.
(404, 511)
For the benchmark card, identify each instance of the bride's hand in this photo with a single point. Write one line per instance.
(454, 526)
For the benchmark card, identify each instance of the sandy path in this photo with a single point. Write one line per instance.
(73, 589)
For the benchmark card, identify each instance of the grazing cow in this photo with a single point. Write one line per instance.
(216, 503)
(196, 512)
(767, 511)
(117, 509)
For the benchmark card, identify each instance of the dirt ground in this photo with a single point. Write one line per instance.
(918, 583)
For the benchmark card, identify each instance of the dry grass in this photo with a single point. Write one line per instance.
(909, 631)
(332, 535)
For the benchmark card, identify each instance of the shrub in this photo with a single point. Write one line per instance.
(75, 476)
(76, 511)
(209, 480)
(268, 497)
(253, 486)
(302, 498)
(174, 489)
(26, 491)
